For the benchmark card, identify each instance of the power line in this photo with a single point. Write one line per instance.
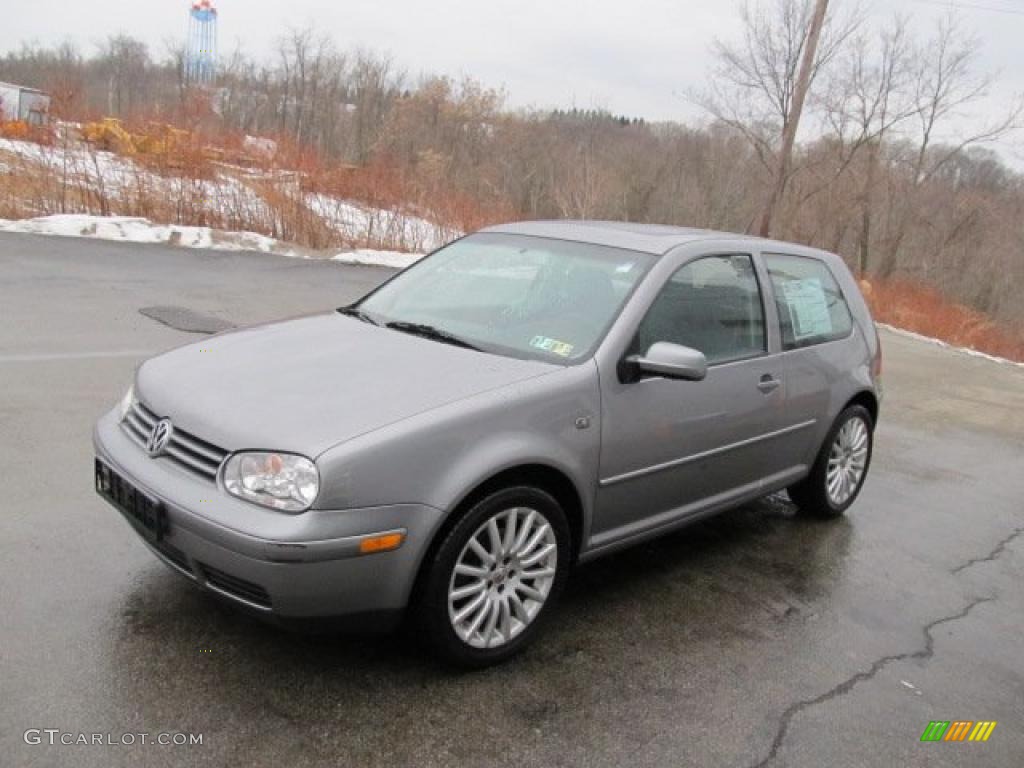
(971, 7)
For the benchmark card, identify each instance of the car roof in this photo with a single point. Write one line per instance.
(649, 238)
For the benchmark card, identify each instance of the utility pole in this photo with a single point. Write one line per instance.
(803, 82)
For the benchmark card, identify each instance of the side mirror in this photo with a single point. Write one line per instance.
(673, 361)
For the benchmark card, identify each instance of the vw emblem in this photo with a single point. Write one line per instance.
(159, 438)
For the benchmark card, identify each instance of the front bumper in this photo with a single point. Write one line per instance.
(282, 566)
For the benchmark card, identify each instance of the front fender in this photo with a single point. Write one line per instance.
(502, 452)
(439, 457)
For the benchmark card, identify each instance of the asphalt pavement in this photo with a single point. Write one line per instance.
(756, 638)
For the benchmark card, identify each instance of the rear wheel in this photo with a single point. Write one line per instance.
(495, 577)
(840, 468)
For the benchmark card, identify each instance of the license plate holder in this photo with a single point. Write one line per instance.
(146, 514)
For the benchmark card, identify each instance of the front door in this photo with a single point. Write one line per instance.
(671, 448)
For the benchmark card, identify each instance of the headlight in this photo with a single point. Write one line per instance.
(277, 480)
(126, 403)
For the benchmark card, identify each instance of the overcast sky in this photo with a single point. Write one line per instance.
(629, 56)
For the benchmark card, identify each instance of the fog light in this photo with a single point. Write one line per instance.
(383, 543)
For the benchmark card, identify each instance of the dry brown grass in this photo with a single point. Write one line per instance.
(204, 179)
(387, 187)
(923, 310)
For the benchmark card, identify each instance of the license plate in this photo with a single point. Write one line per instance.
(145, 513)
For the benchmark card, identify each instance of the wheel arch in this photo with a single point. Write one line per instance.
(543, 476)
(868, 400)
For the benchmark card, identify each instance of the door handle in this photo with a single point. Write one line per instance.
(768, 384)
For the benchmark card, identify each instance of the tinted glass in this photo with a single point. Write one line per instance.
(533, 297)
(811, 306)
(713, 305)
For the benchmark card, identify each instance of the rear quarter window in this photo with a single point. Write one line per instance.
(811, 306)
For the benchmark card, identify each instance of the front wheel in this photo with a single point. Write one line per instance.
(495, 576)
(841, 467)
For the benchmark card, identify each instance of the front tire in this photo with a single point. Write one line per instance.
(840, 468)
(495, 577)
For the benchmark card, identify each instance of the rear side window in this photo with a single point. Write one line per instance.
(811, 306)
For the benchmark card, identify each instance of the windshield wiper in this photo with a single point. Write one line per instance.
(430, 332)
(357, 313)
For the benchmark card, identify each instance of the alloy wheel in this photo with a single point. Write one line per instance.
(847, 461)
(502, 577)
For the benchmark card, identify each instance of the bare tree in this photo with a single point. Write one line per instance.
(945, 89)
(375, 87)
(871, 95)
(176, 58)
(755, 84)
(126, 63)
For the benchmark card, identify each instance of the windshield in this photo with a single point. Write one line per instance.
(529, 297)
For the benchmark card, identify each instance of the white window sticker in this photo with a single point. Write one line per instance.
(808, 308)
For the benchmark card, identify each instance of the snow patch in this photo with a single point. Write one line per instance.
(137, 230)
(231, 196)
(378, 226)
(367, 256)
(117, 178)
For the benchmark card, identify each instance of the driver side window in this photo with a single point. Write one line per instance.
(713, 305)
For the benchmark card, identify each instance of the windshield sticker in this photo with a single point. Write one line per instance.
(554, 346)
(808, 308)
(623, 269)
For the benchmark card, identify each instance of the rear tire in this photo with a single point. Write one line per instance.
(494, 579)
(841, 467)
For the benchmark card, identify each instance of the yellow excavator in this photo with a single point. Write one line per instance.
(157, 140)
(110, 135)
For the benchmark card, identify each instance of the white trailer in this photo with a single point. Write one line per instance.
(20, 103)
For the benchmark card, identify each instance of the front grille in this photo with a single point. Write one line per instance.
(187, 451)
(246, 590)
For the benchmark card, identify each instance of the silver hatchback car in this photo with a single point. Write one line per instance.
(528, 397)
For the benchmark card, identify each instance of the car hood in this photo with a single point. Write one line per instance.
(307, 384)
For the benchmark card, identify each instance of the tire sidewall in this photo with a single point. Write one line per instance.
(433, 608)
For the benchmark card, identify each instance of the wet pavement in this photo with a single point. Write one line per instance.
(755, 638)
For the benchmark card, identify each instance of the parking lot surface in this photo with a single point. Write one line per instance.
(756, 638)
